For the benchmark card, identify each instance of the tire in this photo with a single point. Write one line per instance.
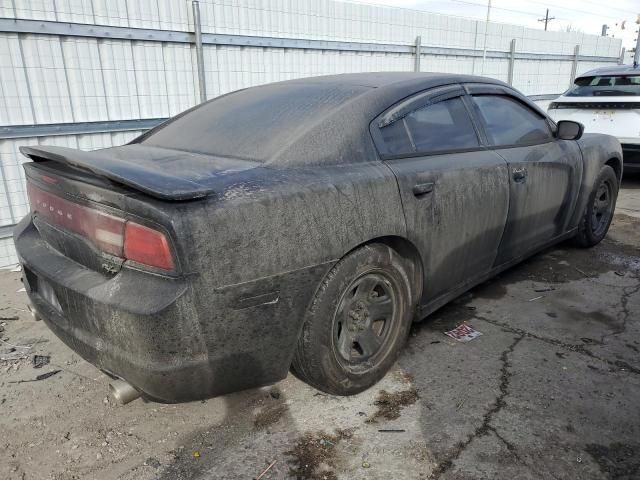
(597, 216)
(358, 322)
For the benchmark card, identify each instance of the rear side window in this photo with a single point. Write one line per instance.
(508, 122)
(443, 126)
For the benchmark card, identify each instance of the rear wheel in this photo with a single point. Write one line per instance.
(598, 213)
(358, 322)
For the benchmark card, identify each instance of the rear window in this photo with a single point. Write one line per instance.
(252, 124)
(606, 86)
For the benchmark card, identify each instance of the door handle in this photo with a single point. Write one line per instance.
(520, 174)
(421, 189)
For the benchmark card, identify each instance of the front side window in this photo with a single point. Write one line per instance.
(606, 86)
(443, 126)
(508, 122)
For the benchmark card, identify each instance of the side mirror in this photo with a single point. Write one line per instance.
(568, 130)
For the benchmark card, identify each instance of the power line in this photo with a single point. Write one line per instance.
(505, 9)
(610, 8)
(569, 9)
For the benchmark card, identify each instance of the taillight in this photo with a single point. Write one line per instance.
(146, 245)
(111, 234)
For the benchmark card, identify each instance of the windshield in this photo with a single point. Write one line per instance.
(606, 86)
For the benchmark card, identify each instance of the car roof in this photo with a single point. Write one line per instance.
(621, 70)
(386, 79)
(307, 121)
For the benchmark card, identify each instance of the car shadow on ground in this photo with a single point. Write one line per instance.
(532, 397)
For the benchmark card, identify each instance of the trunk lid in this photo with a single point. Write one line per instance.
(159, 172)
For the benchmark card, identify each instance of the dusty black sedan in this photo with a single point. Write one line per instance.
(299, 225)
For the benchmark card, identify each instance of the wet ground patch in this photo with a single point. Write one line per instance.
(269, 415)
(391, 403)
(313, 457)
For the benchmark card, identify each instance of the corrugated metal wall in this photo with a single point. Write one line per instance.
(49, 78)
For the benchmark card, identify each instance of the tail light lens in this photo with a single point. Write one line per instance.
(148, 246)
(113, 235)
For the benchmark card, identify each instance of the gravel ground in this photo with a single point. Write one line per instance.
(550, 390)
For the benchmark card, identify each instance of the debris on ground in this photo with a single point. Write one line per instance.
(536, 298)
(266, 470)
(392, 430)
(390, 404)
(13, 317)
(544, 289)
(42, 376)
(586, 275)
(313, 456)
(274, 393)
(11, 352)
(40, 361)
(269, 415)
(463, 333)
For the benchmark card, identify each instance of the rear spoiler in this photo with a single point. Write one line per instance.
(139, 171)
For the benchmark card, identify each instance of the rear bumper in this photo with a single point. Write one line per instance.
(128, 325)
(155, 332)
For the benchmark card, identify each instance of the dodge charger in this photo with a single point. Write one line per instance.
(299, 226)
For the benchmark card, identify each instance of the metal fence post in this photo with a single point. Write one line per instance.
(416, 67)
(199, 52)
(574, 67)
(512, 61)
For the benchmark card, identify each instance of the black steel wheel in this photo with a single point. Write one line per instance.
(599, 210)
(363, 322)
(602, 210)
(358, 322)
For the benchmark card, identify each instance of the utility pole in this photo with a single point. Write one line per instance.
(546, 19)
(486, 31)
(636, 56)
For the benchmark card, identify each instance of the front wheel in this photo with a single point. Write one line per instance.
(598, 213)
(358, 322)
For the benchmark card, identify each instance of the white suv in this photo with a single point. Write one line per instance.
(606, 100)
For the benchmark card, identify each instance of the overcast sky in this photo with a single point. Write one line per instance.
(587, 16)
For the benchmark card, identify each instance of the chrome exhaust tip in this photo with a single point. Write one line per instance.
(123, 392)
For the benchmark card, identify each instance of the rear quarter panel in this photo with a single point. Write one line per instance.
(258, 250)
